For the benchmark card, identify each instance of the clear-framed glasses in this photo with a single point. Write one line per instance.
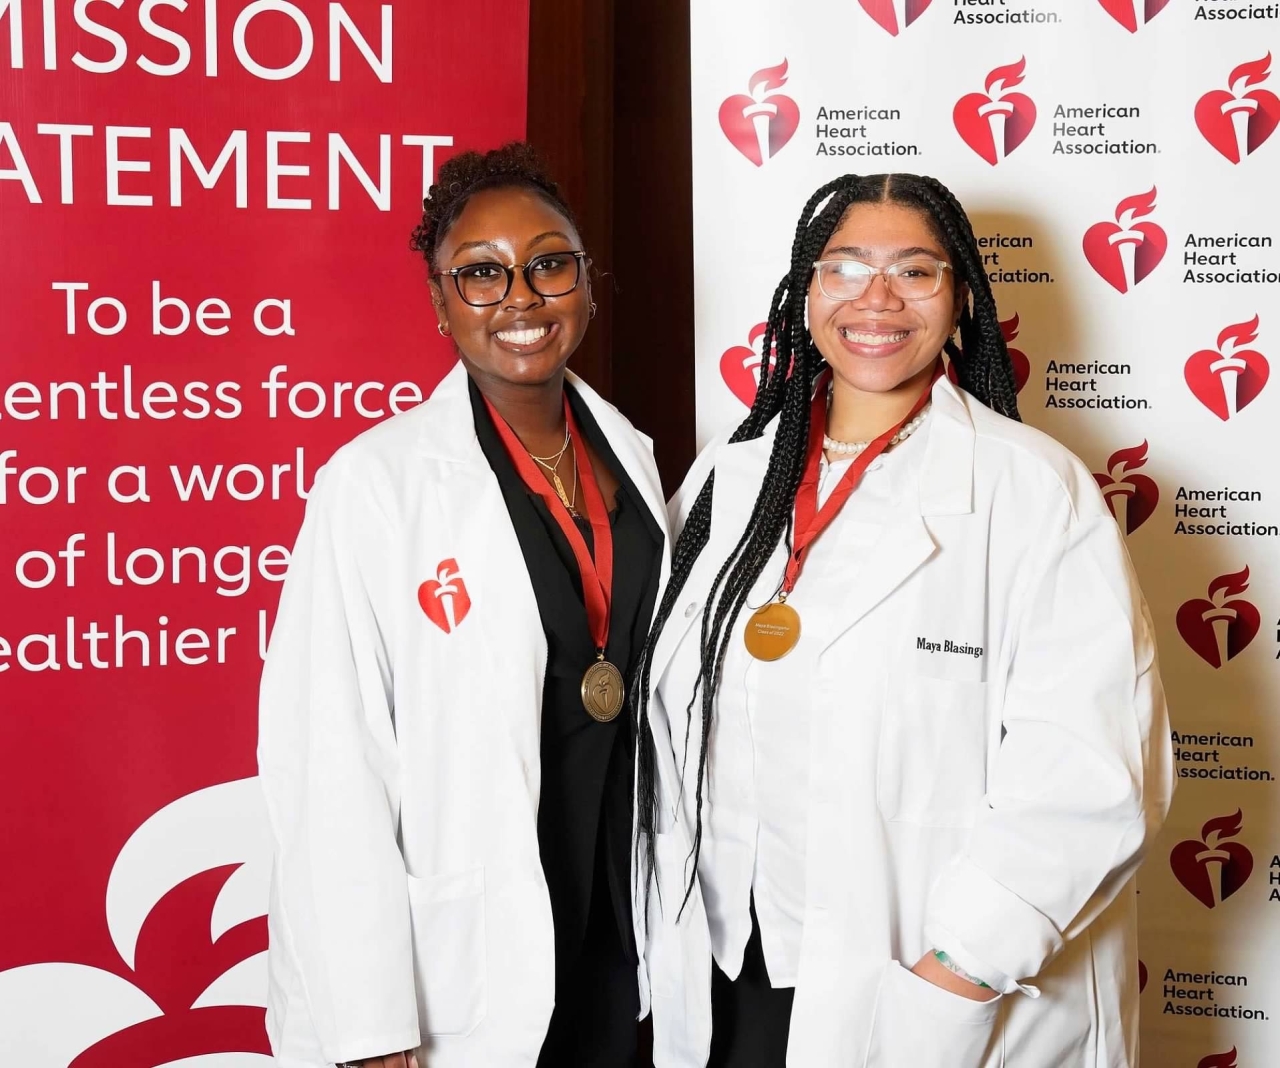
(551, 274)
(918, 278)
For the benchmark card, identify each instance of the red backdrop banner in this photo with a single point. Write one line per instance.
(206, 287)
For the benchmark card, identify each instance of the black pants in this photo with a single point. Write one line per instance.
(597, 1001)
(750, 1020)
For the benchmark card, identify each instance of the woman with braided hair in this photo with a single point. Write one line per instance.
(447, 770)
(903, 738)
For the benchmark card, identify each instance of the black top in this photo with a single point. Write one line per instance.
(584, 813)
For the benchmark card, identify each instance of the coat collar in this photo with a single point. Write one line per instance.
(944, 486)
(448, 433)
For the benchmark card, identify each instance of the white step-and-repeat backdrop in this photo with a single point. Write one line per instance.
(1118, 161)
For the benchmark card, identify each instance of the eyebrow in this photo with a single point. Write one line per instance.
(864, 253)
(467, 246)
(549, 233)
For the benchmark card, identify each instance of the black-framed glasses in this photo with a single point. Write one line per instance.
(918, 278)
(550, 274)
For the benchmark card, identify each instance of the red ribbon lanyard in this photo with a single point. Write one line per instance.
(810, 522)
(597, 574)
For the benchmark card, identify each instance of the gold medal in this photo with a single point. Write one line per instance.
(603, 691)
(773, 631)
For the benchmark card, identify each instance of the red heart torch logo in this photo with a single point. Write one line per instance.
(1218, 629)
(1021, 365)
(740, 366)
(1237, 122)
(1129, 12)
(1219, 1060)
(1142, 977)
(1131, 498)
(1213, 868)
(996, 122)
(1124, 252)
(759, 125)
(895, 16)
(445, 599)
(1228, 379)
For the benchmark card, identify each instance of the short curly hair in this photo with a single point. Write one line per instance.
(461, 177)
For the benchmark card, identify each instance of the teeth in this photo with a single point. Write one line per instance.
(875, 339)
(523, 337)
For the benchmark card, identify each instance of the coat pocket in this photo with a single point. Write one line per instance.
(450, 952)
(932, 759)
(923, 1026)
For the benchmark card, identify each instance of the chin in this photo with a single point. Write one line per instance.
(876, 376)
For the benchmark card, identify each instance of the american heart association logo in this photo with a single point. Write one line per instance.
(759, 125)
(895, 16)
(1237, 122)
(444, 599)
(996, 122)
(1133, 13)
(1132, 498)
(1228, 379)
(1021, 365)
(1126, 251)
(740, 366)
(1213, 868)
(1219, 1060)
(1220, 628)
(1142, 977)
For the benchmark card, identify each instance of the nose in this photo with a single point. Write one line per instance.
(878, 296)
(522, 294)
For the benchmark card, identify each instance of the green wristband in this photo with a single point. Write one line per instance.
(952, 966)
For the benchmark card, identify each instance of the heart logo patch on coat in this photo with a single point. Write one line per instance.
(444, 599)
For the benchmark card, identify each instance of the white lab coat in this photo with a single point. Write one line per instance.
(994, 806)
(400, 757)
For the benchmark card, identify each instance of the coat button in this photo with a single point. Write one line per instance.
(689, 609)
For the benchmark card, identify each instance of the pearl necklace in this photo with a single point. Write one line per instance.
(854, 448)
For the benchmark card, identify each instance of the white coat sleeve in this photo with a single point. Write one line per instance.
(1083, 777)
(330, 772)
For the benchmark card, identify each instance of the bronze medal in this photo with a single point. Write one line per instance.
(772, 632)
(603, 691)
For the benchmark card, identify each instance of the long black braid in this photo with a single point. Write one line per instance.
(789, 370)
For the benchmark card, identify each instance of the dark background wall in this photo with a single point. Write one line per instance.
(609, 109)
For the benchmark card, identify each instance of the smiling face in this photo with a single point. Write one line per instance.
(525, 338)
(879, 341)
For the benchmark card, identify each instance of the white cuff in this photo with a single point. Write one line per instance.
(988, 930)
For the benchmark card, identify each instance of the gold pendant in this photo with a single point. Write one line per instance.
(603, 691)
(559, 487)
(772, 632)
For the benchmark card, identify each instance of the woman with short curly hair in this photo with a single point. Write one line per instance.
(447, 773)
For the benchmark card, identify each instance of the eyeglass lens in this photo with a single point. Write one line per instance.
(550, 275)
(907, 280)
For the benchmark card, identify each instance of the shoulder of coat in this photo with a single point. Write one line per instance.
(1035, 460)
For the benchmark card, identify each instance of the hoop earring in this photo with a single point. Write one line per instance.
(592, 313)
(443, 331)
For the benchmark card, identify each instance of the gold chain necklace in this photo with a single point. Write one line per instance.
(550, 464)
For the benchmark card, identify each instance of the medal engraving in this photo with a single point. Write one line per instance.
(772, 632)
(603, 691)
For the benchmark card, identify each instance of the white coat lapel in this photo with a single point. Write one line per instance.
(630, 449)
(943, 486)
(739, 469)
(506, 628)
